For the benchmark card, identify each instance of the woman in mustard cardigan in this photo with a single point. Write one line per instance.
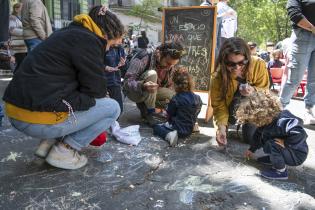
(237, 75)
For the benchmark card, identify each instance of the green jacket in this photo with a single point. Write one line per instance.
(257, 77)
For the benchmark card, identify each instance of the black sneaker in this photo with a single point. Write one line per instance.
(275, 174)
(264, 160)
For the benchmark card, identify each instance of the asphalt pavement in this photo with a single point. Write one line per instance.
(194, 175)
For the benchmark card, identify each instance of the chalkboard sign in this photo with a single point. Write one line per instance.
(194, 27)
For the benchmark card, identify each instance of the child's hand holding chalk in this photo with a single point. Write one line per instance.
(248, 154)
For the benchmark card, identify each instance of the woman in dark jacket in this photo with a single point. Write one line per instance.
(59, 90)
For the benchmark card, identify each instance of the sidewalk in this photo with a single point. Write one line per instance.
(194, 175)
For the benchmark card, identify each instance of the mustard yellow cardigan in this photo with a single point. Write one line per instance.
(257, 77)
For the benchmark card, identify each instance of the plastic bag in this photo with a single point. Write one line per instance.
(127, 135)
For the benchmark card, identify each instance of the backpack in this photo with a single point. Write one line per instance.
(136, 53)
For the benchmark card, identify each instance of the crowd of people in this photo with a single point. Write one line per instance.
(72, 87)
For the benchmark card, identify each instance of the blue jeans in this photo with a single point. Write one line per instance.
(302, 58)
(89, 124)
(32, 43)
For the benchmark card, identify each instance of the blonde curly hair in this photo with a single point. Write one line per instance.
(260, 108)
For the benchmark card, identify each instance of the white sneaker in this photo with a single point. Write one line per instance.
(61, 156)
(172, 138)
(44, 147)
(196, 128)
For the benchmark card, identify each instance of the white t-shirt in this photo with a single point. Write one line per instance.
(229, 22)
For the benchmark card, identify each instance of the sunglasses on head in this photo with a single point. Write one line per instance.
(233, 64)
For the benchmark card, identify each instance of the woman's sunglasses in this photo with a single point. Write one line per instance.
(233, 65)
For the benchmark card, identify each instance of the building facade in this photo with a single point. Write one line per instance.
(62, 12)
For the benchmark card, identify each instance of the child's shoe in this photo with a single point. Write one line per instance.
(44, 147)
(264, 160)
(63, 156)
(172, 138)
(275, 174)
(196, 128)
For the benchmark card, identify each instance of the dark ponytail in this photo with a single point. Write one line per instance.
(108, 23)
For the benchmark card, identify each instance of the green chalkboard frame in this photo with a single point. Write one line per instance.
(207, 69)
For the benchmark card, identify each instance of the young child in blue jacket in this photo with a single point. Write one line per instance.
(182, 111)
(279, 133)
(114, 59)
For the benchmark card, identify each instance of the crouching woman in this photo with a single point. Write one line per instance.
(58, 92)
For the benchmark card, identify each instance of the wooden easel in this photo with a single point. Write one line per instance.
(209, 111)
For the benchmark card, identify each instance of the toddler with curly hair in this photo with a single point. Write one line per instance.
(279, 133)
(182, 111)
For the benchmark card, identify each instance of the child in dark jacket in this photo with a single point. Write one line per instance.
(114, 59)
(279, 133)
(182, 110)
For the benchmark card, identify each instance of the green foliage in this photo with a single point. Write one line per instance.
(145, 8)
(262, 20)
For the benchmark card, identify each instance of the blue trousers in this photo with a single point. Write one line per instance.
(302, 58)
(32, 43)
(280, 156)
(161, 130)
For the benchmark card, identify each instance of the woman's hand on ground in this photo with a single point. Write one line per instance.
(221, 135)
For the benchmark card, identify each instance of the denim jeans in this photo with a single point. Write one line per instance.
(32, 43)
(302, 58)
(77, 133)
(280, 156)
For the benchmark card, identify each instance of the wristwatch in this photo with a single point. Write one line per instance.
(313, 30)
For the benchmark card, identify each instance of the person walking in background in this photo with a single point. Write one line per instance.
(36, 23)
(302, 56)
(58, 91)
(238, 74)
(4, 30)
(228, 23)
(16, 32)
(143, 40)
(114, 59)
(4, 20)
(279, 133)
(182, 111)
